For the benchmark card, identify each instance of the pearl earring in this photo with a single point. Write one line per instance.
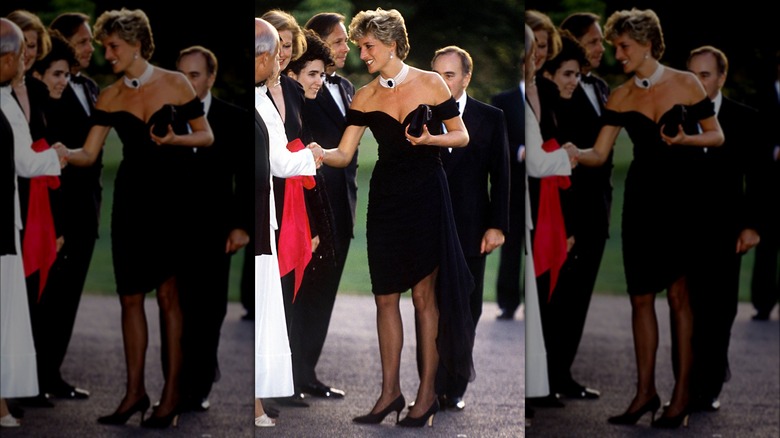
(391, 56)
(135, 55)
(647, 55)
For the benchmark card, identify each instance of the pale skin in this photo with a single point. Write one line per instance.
(674, 87)
(418, 87)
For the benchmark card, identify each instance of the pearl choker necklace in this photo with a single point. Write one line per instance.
(395, 81)
(650, 80)
(140, 80)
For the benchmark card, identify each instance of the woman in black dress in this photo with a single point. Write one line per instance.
(146, 237)
(411, 235)
(659, 231)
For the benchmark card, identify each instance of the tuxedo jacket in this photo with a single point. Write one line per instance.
(212, 172)
(511, 103)
(589, 199)
(731, 175)
(262, 174)
(7, 188)
(478, 176)
(81, 187)
(323, 121)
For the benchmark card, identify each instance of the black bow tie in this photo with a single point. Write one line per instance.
(588, 79)
(78, 79)
(333, 79)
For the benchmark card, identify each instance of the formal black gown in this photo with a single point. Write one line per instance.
(147, 236)
(661, 234)
(410, 228)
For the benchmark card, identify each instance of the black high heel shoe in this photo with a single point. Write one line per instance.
(396, 405)
(427, 417)
(162, 422)
(669, 422)
(629, 418)
(120, 418)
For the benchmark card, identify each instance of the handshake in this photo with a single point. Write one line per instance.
(62, 153)
(318, 152)
(573, 152)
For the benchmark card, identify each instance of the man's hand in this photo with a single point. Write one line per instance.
(747, 239)
(492, 239)
(236, 240)
(317, 152)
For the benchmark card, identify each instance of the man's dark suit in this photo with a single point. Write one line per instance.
(323, 121)
(80, 195)
(588, 203)
(508, 289)
(217, 208)
(478, 180)
(730, 199)
(7, 189)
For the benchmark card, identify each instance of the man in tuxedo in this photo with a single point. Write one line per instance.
(508, 284)
(478, 180)
(325, 119)
(589, 200)
(80, 196)
(731, 198)
(224, 217)
(765, 282)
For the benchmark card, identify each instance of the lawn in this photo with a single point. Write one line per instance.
(356, 279)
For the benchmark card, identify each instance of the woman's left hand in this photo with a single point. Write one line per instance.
(677, 139)
(168, 139)
(422, 139)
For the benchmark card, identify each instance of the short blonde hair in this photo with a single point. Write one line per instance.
(386, 26)
(642, 26)
(283, 21)
(539, 21)
(131, 26)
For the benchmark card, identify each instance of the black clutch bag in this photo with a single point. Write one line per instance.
(167, 115)
(676, 116)
(420, 117)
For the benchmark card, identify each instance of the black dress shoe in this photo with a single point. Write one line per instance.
(706, 404)
(456, 403)
(505, 315)
(67, 391)
(550, 401)
(761, 316)
(580, 392)
(39, 401)
(294, 401)
(318, 389)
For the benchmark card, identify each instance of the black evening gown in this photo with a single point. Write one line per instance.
(661, 232)
(411, 230)
(148, 242)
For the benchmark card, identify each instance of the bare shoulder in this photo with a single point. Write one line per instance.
(687, 86)
(107, 96)
(180, 88)
(618, 96)
(363, 95)
(436, 90)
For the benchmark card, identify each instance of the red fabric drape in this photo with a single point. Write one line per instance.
(549, 244)
(295, 235)
(39, 243)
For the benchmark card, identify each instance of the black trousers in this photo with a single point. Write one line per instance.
(564, 314)
(765, 284)
(508, 284)
(53, 317)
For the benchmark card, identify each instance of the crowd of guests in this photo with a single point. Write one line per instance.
(179, 162)
(697, 197)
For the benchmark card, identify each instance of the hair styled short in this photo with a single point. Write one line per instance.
(11, 39)
(579, 23)
(324, 23)
(132, 26)
(316, 49)
(720, 57)
(28, 21)
(60, 51)
(538, 21)
(386, 26)
(642, 26)
(283, 21)
(466, 63)
(69, 23)
(571, 50)
(208, 55)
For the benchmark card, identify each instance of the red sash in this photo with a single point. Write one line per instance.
(295, 235)
(549, 244)
(39, 243)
